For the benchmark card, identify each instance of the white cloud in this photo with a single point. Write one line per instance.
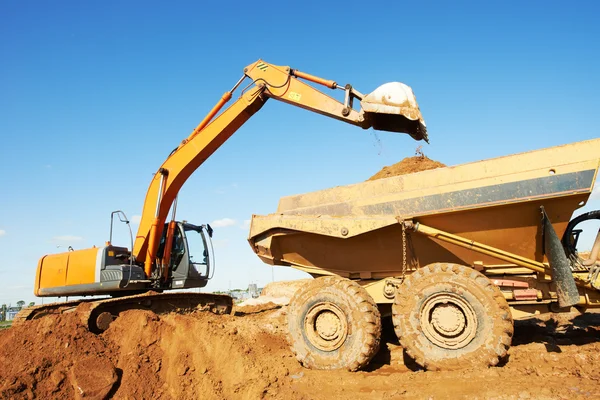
(2, 232)
(596, 192)
(220, 243)
(220, 223)
(136, 219)
(67, 238)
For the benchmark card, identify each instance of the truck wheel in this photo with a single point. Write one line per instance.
(333, 324)
(448, 316)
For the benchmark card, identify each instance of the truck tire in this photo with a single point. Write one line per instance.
(333, 323)
(448, 317)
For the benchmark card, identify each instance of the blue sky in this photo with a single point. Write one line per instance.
(94, 96)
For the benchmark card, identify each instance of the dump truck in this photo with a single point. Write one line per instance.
(454, 255)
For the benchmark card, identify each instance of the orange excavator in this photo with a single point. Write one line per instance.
(162, 257)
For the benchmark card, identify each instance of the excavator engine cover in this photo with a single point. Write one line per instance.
(393, 107)
(85, 272)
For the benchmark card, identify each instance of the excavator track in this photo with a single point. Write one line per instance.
(39, 311)
(98, 314)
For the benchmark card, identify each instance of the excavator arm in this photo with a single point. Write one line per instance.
(392, 107)
(131, 278)
(180, 165)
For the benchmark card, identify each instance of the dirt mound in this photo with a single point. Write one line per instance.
(250, 307)
(245, 355)
(408, 165)
(143, 355)
(283, 288)
(39, 358)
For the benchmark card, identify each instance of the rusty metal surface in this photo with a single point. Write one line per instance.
(511, 283)
(528, 294)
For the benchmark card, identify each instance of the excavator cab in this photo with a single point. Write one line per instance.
(191, 264)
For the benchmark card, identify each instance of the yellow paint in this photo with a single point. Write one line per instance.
(69, 268)
(82, 267)
(295, 96)
(53, 270)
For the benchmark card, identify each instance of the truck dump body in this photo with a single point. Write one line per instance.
(354, 230)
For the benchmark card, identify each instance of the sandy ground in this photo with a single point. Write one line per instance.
(246, 356)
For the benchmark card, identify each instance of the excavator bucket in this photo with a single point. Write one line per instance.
(393, 107)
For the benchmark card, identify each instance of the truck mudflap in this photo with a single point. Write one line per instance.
(566, 289)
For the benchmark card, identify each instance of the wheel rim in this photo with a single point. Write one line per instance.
(326, 326)
(448, 321)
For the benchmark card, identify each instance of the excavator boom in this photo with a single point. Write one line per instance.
(391, 107)
(160, 258)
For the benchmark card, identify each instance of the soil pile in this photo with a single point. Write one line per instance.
(245, 356)
(44, 358)
(283, 288)
(144, 356)
(408, 165)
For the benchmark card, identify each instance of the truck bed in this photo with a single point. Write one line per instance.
(354, 228)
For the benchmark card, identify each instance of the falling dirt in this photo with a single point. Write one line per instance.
(408, 165)
(245, 356)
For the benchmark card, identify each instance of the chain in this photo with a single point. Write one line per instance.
(403, 250)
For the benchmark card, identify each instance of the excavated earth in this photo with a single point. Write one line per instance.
(408, 165)
(245, 356)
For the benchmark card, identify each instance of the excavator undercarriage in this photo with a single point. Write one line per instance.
(97, 314)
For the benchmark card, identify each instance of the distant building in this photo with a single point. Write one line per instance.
(253, 290)
(241, 295)
(11, 312)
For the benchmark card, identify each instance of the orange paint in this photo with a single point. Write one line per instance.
(224, 99)
(168, 248)
(328, 83)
